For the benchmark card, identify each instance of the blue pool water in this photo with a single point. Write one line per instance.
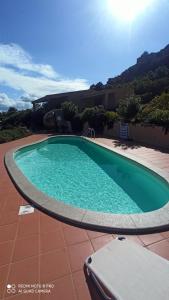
(85, 175)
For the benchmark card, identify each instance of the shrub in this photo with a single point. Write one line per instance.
(157, 111)
(17, 118)
(129, 108)
(12, 109)
(69, 110)
(110, 118)
(161, 102)
(8, 135)
(37, 119)
(77, 123)
(159, 117)
(95, 116)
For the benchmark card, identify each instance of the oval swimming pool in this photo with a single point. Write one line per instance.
(85, 175)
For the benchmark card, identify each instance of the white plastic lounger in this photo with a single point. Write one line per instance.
(129, 272)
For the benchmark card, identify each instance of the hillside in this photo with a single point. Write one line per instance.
(148, 80)
(149, 77)
(147, 62)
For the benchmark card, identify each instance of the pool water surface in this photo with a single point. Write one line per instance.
(85, 175)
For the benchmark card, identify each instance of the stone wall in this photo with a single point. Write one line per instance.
(145, 134)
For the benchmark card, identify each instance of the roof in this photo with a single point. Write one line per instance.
(79, 94)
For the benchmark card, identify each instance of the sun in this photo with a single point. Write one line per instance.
(128, 10)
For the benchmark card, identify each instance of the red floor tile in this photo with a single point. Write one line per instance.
(28, 225)
(74, 235)
(165, 234)
(5, 252)
(3, 279)
(24, 297)
(8, 218)
(81, 286)
(12, 204)
(51, 240)
(101, 241)
(65, 224)
(54, 265)
(151, 238)
(48, 223)
(25, 248)
(8, 232)
(161, 248)
(63, 290)
(78, 253)
(2, 203)
(24, 202)
(25, 271)
(94, 234)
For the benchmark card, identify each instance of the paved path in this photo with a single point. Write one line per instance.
(37, 248)
(159, 158)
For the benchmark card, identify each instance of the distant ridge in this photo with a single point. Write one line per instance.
(145, 63)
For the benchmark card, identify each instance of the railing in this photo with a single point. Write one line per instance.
(91, 133)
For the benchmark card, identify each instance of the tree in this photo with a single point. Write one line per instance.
(17, 118)
(12, 109)
(99, 86)
(129, 108)
(95, 116)
(92, 87)
(37, 118)
(159, 117)
(69, 110)
(110, 118)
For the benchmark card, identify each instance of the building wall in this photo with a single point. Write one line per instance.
(88, 101)
(115, 95)
(149, 135)
(109, 98)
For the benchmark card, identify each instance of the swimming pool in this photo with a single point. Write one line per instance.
(83, 174)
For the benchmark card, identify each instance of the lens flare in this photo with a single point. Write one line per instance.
(128, 10)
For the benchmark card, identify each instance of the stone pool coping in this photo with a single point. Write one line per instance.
(121, 223)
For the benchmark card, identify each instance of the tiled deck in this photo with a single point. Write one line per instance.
(37, 248)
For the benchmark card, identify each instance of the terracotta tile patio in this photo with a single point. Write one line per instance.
(39, 249)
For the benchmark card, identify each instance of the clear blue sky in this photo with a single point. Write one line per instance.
(49, 46)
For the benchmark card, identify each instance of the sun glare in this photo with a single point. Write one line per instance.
(128, 10)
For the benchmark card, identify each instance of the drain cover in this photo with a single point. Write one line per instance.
(26, 209)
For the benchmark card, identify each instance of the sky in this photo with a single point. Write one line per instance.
(53, 46)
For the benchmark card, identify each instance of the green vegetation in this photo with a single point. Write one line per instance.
(95, 116)
(7, 135)
(69, 110)
(147, 83)
(110, 118)
(16, 118)
(156, 112)
(129, 108)
(17, 124)
(14, 124)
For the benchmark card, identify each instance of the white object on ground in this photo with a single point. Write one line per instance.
(129, 272)
(26, 209)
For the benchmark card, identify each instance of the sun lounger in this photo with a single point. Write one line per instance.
(124, 270)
